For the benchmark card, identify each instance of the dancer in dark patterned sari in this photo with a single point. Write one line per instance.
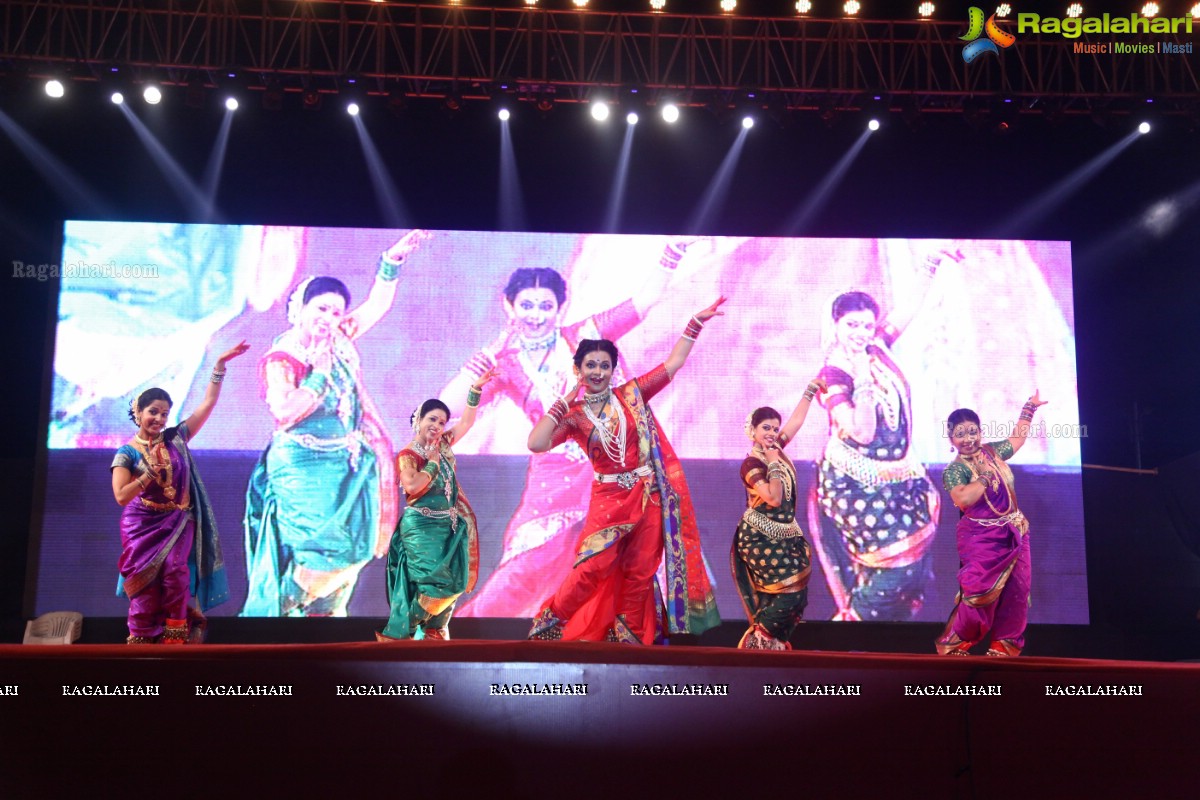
(770, 557)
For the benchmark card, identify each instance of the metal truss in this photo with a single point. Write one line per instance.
(544, 55)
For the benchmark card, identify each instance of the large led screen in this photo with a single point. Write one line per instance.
(960, 323)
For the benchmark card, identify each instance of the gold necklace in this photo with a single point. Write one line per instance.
(160, 467)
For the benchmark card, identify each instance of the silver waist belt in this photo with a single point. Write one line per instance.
(1015, 517)
(436, 513)
(626, 480)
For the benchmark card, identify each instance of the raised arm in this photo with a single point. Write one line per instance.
(455, 434)
(1025, 420)
(679, 353)
(383, 290)
(213, 391)
(800, 413)
(926, 269)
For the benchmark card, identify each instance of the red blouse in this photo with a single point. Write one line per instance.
(576, 426)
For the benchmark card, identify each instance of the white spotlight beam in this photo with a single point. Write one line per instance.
(1042, 206)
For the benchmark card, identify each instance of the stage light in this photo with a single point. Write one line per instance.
(728, 6)
(580, 3)
(851, 8)
(599, 110)
(545, 102)
(531, 3)
(231, 104)
(873, 125)
(117, 98)
(1144, 127)
(503, 114)
(1075, 10)
(1150, 10)
(925, 10)
(658, 5)
(1003, 10)
(1196, 10)
(631, 118)
(54, 88)
(803, 6)
(670, 113)
(152, 95)
(352, 109)
(747, 122)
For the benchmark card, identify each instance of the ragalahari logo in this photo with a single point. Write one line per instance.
(976, 27)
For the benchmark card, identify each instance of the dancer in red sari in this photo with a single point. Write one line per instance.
(640, 513)
(993, 539)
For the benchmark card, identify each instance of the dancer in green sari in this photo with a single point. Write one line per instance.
(434, 554)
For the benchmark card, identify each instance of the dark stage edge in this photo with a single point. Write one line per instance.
(877, 734)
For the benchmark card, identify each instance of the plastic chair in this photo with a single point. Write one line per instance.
(57, 627)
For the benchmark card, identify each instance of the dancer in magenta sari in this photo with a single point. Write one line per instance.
(640, 512)
(169, 546)
(993, 539)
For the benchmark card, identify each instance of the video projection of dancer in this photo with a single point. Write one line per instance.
(770, 556)
(533, 357)
(877, 512)
(322, 500)
(992, 537)
(170, 548)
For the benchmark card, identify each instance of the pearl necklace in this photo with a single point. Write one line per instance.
(613, 444)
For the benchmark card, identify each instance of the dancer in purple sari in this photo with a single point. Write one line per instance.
(169, 546)
(993, 539)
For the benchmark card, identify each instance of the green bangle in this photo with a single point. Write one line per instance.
(473, 397)
(388, 270)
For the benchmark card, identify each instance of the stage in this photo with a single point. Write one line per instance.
(533, 719)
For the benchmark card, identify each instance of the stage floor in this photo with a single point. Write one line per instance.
(532, 719)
